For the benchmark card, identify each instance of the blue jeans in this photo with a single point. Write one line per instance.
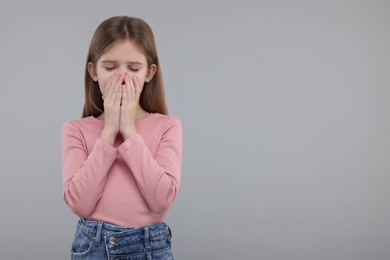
(98, 240)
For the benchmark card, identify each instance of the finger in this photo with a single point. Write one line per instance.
(127, 89)
(137, 88)
(107, 87)
(118, 94)
(111, 92)
(130, 89)
(119, 88)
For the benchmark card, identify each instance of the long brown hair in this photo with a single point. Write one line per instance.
(113, 30)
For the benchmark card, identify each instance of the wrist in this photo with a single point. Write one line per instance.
(129, 132)
(108, 135)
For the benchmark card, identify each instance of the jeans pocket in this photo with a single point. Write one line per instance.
(165, 254)
(169, 237)
(82, 243)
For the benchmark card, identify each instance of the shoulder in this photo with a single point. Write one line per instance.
(78, 125)
(163, 121)
(160, 125)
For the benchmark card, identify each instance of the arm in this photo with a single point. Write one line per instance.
(158, 178)
(83, 175)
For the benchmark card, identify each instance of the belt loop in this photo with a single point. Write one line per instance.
(98, 233)
(146, 230)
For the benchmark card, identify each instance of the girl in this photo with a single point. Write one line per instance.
(121, 163)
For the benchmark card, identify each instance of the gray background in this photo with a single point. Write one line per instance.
(286, 115)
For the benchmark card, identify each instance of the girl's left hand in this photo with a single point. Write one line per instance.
(131, 92)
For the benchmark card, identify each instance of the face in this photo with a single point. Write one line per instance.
(122, 57)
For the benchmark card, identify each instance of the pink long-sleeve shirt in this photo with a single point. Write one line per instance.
(132, 183)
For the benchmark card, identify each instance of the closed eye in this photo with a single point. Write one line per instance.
(109, 68)
(133, 69)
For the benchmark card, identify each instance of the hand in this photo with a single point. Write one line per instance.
(112, 105)
(131, 92)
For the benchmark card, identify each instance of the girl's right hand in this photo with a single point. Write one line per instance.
(112, 106)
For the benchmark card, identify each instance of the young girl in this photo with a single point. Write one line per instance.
(121, 163)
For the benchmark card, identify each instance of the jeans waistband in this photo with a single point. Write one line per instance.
(94, 227)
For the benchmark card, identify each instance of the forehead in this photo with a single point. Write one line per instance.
(123, 51)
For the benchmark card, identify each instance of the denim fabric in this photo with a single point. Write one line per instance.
(97, 240)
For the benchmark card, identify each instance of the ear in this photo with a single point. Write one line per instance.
(152, 70)
(92, 71)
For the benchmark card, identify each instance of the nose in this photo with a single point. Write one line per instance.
(122, 72)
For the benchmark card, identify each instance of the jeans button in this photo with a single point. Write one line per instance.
(112, 240)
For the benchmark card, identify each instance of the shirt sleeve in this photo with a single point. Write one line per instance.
(158, 178)
(83, 175)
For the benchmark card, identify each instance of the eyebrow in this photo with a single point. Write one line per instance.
(130, 62)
